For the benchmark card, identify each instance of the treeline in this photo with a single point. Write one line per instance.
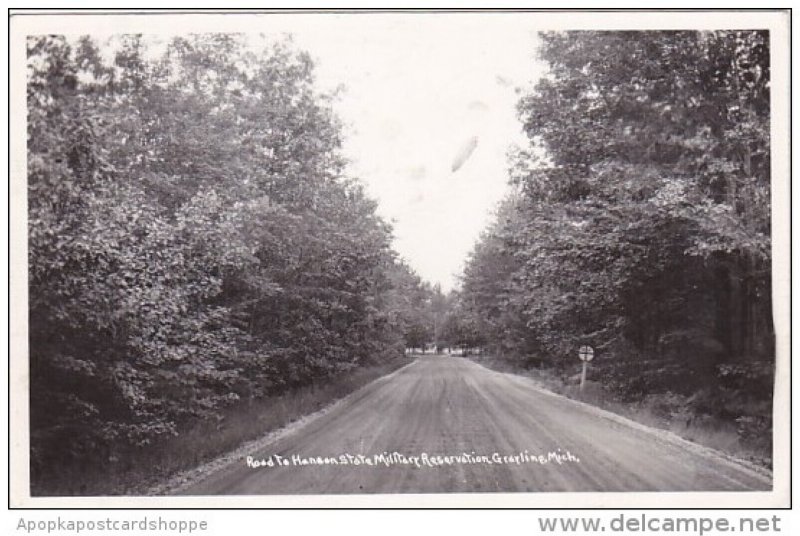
(194, 240)
(640, 223)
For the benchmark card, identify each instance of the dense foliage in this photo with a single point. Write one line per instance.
(193, 239)
(640, 223)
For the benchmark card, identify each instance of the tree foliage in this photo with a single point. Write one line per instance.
(193, 238)
(640, 223)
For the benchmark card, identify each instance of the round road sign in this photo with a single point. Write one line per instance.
(586, 353)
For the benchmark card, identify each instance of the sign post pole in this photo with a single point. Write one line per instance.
(583, 375)
(585, 354)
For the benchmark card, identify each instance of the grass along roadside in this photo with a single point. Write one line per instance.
(136, 471)
(707, 431)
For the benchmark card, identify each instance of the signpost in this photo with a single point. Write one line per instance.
(585, 354)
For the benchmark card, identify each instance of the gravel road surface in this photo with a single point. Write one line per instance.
(447, 424)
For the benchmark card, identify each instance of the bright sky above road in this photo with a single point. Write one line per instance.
(419, 90)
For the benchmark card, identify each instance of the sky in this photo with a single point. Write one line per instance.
(419, 92)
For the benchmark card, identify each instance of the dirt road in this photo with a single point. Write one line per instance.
(488, 430)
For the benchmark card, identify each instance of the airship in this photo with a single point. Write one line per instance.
(464, 153)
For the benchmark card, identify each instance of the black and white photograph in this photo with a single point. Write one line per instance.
(451, 258)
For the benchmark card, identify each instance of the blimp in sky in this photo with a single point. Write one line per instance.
(464, 153)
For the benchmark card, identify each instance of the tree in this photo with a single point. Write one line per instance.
(671, 128)
(193, 239)
(642, 222)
